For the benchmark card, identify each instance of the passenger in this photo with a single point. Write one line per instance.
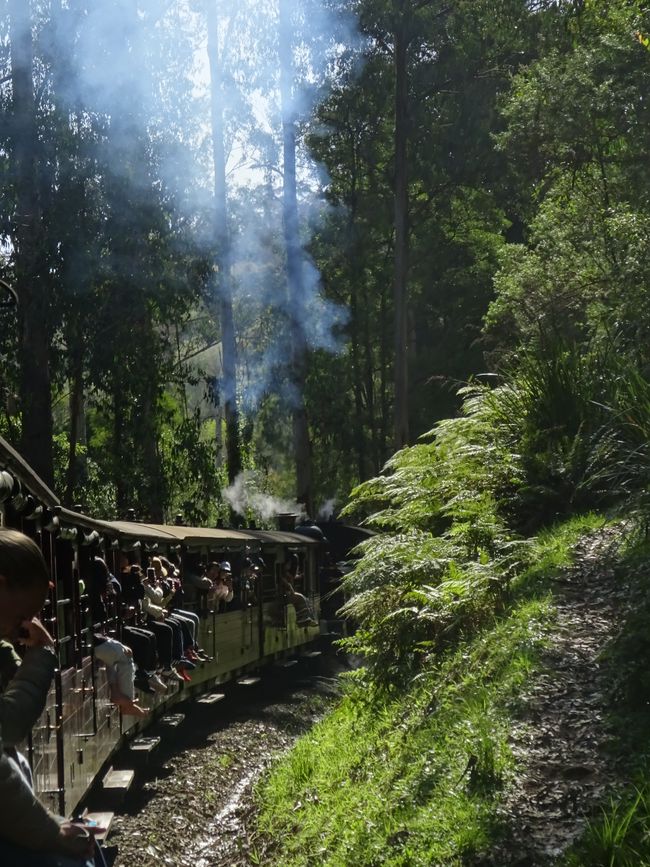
(30, 836)
(248, 583)
(145, 656)
(169, 577)
(98, 588)
(196, 586)
(120, 672)
(131, 581)
(171, 601)
(168, 631)
(114, 592)
(220, 575)
(304, 614)
(149, 654)
(174, 603)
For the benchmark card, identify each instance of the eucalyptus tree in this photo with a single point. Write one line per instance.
(144, 280)
(279, 71)
(460, 198)
(218, 58)
(297, 349)
(408, 20)
(25, 235)
(117, 241)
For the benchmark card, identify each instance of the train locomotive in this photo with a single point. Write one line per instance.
(80, 728)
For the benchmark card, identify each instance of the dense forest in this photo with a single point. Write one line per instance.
(387, 257)
(266, 244)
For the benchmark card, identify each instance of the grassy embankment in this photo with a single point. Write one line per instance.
(416, 778)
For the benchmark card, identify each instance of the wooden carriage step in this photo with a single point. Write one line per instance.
(248, 681)
(101, 820)
(173, 720)
(211, 698)
(144, 744)
(118, 780)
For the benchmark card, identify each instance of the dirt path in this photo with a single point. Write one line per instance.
(560, 739)
(190, 808)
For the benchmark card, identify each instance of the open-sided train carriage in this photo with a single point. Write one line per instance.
(80, 727)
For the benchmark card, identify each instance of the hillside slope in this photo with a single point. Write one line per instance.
(501, 751)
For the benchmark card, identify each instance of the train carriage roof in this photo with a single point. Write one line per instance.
(282, 537)
(202, 535)
(134, 529)
(174, 535)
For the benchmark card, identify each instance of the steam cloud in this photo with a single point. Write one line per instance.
(326, 511)
(135, 72)
(244, 494)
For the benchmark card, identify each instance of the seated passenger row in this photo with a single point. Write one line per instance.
(159, 635)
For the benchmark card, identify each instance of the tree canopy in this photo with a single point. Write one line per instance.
(469, 197)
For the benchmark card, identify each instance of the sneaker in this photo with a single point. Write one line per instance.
(171, 673)
(130, 708)
(309, 622)
(143, 684)
(193, 656)
(182, 673)
(157, 683)
(203, 655)
(186, 663)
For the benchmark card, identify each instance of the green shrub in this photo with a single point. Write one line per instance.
(454, 511)
(445, 558)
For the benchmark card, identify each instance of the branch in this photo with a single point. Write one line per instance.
(199, 351)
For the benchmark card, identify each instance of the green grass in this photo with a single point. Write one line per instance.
(553, 548)
(414, 780)
(417, 779)
(225, 760)
(619, 836)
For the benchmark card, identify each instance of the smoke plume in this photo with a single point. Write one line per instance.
(244, 495)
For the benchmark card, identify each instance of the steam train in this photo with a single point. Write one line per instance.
(80, 729)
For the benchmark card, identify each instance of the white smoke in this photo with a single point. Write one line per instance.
(326, 511)
(137, 74)
(245, 495)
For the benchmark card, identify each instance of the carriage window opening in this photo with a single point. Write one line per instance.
(268, 577)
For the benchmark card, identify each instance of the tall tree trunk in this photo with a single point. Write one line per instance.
(223, 251)
(121, 478)
(384, 363)
(77, 420)
(401, 233)
(153, 493)
(294, 264)
(357, 379)
(33, 313)
(356, 278)
(369, 368)
(65, 178)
